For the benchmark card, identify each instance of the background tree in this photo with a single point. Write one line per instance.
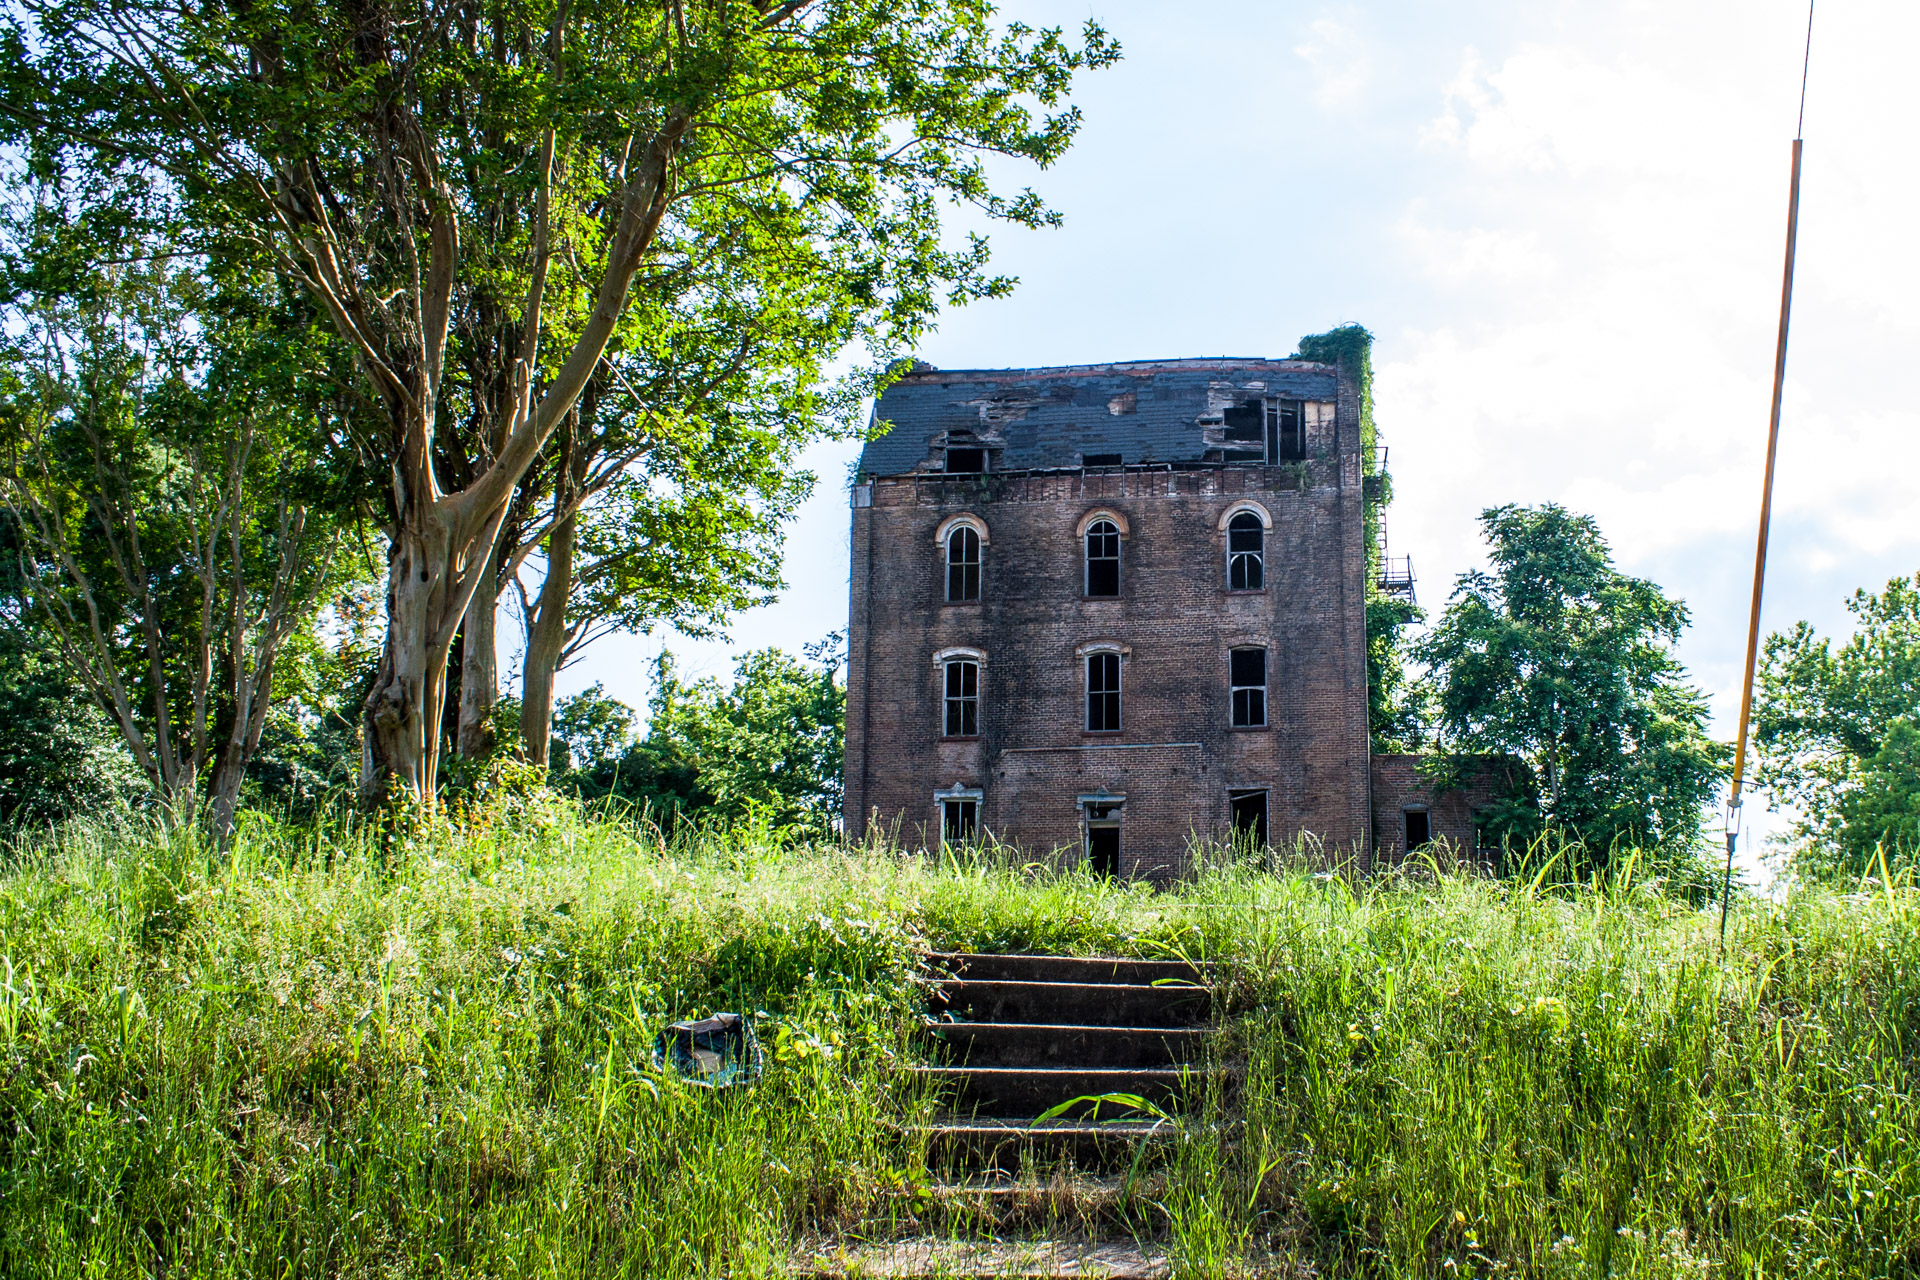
(684, 535)
(771, 745)
(1561, 661)
(59, 757)
(1837, 732)
(462, 178)
(174, 526)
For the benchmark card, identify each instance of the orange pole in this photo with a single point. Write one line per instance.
(1760, 549)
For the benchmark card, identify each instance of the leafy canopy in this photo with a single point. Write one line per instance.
(1560, 660)
(1837, 731)
(771, 746)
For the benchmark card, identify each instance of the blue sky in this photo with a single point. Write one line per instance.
(1562, 221)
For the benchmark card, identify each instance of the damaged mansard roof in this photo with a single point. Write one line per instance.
(1146, 411)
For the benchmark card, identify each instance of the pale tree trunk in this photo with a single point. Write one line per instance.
(442, 545)
(546, 643)
(430, 583)
(479, 671)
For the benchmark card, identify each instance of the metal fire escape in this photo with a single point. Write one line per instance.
(1395, 573)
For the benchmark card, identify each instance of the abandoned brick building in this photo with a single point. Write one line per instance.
(1103, 610)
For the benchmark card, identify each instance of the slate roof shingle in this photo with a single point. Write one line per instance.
(1147, 411)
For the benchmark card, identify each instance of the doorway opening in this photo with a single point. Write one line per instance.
(1103, 837)
(1419, 830)
(1249, 808)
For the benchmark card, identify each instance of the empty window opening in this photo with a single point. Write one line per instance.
(1102, 460)
(1245, 433)
(1247, 678)
(1246, 553)
(1249, 817)
(963, 564)
(969, 458)
(1286, 433)
(1103, 839)
(1419, 829)
(958, 820)
(1103, 693)
(963, 698)
(1103, 558)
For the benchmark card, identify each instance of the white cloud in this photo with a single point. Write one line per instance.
(1341, 66)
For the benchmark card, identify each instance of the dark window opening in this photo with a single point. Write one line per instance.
(1287, 436)
(1247, 678)
(962, 698)
(969, 459)
(1103, 693)
(958, 819)
(1419, 830)
(963, 564)
(1244, 427)
(1103, 558)
(1244, 422)
(1246, 553)
(1103, 839)
(1249, 816)
(1102, 460)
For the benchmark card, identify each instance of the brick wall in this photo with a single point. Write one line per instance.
(1176, 756)
(1398, 787)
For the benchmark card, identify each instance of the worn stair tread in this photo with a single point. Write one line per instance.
(1000, 1259)
(1073, 1003)
(1016, 1129)
(1044, 1044)
(1019, 966)
(1156, 1074)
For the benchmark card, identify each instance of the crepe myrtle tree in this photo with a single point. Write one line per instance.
(439, 174)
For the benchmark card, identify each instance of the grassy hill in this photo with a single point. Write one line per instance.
(322, 1057)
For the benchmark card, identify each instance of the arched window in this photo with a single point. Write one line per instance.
(960, 678)
(963, 563)
(1246, 553)
(1103, 558)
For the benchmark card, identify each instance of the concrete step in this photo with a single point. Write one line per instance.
(1032, 1091)
(1071, 1003)
(1028, 1044)
(980, 967)
(1011, 1146)
(988, 1260)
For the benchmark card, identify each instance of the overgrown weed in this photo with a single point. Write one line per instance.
(328, 1053)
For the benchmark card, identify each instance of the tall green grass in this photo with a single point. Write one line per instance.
(317, 1053)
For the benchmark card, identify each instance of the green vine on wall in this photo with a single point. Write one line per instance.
(1393, 720)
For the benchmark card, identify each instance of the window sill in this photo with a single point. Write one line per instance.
(959, 604)
(1249, 728)
(1101, 733)
(1246, 591)
(960, 737)
(1088, 597)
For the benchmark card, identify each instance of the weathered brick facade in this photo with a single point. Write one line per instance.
(1032, 767)
(1449, 815)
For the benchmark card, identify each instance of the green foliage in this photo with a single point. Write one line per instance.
(1835, 732)
(59, 756)
(316, 1058)
(1352, 345)
(770, 747)
(1396, 709)
(590, 730)
(701, 205)
(1561, 661)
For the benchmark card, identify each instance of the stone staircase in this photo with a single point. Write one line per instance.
(1015, 1038)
